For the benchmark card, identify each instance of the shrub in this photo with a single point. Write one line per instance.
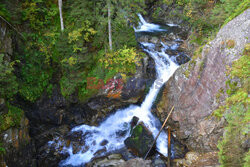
(231, 151)
(11, 119)
(237, 115)
(8, 83)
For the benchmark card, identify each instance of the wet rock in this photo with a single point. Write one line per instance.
(51, 158)
(140, 140)
(137, 162)
(121, 133)
(126, 154)
(182, 59)
(195, 159)
(85, 149)
(154, 40)
(104, 142)
(172, 36)
(75, 136)
(68, 142)
(171, 52)
(158, 162)
(77, 147)
(19, 147)
(144, 38)
(134, 121)
(101, 151)
(179, 149)
(134, 89)
(112, 160)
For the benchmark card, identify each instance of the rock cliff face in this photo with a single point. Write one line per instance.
(16, 140)
(198, 87)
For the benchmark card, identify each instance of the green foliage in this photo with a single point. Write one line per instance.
(231, 152)
(35, 75)
(4, 12)
(85, 33)
(239, 9)
(237, 92)
(72, 55)
(247, 159)
(237, 115)
(105, 67)
(127, 58)
(40, 13)
(207, 16)
(11, 119)
(8, 83)
(2, 150)
(241, 68)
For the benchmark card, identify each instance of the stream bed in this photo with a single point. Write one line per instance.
(116, 128)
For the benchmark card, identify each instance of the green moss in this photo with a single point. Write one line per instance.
(219, 94)
(2, 149)
(237, 115)
(247, 159)
(137, 130)
(202, 66)
(12, 118)
(206, 17)
(231, 151)
(187, 73)
(245, 4)
(8, 81)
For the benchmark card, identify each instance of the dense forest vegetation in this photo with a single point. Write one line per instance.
(48, 55)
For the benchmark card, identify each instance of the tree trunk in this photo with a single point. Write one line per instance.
(60, 11)
(109, 26)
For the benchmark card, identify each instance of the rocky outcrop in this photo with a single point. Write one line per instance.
(111, 160)
(137, 162)
(198, 87)
(19, 147)
(115, 160)
(140, 140)
(195, 159)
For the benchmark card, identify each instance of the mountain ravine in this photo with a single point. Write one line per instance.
(59, 131)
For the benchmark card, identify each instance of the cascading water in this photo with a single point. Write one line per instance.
(147, 27)
(119, 122)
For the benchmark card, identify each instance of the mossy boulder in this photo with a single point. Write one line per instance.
(140, 140)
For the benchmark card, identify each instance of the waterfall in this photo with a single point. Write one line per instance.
(119, 121)
(147, 27)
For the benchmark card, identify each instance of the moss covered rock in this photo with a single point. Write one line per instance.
(140, 140)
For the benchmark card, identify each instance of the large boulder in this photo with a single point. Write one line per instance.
(198, 87)
(140, 140)
(19, 147)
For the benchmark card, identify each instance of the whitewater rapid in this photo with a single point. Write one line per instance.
(120, 121)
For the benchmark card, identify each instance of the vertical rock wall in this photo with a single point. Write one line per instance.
(195, 87)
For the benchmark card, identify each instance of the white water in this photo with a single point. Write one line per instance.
(110, 128)
(147, 27)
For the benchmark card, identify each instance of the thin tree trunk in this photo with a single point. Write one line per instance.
(60, 11)
(169, 147)
(109, 26)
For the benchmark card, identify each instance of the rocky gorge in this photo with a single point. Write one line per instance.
(46, 125)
